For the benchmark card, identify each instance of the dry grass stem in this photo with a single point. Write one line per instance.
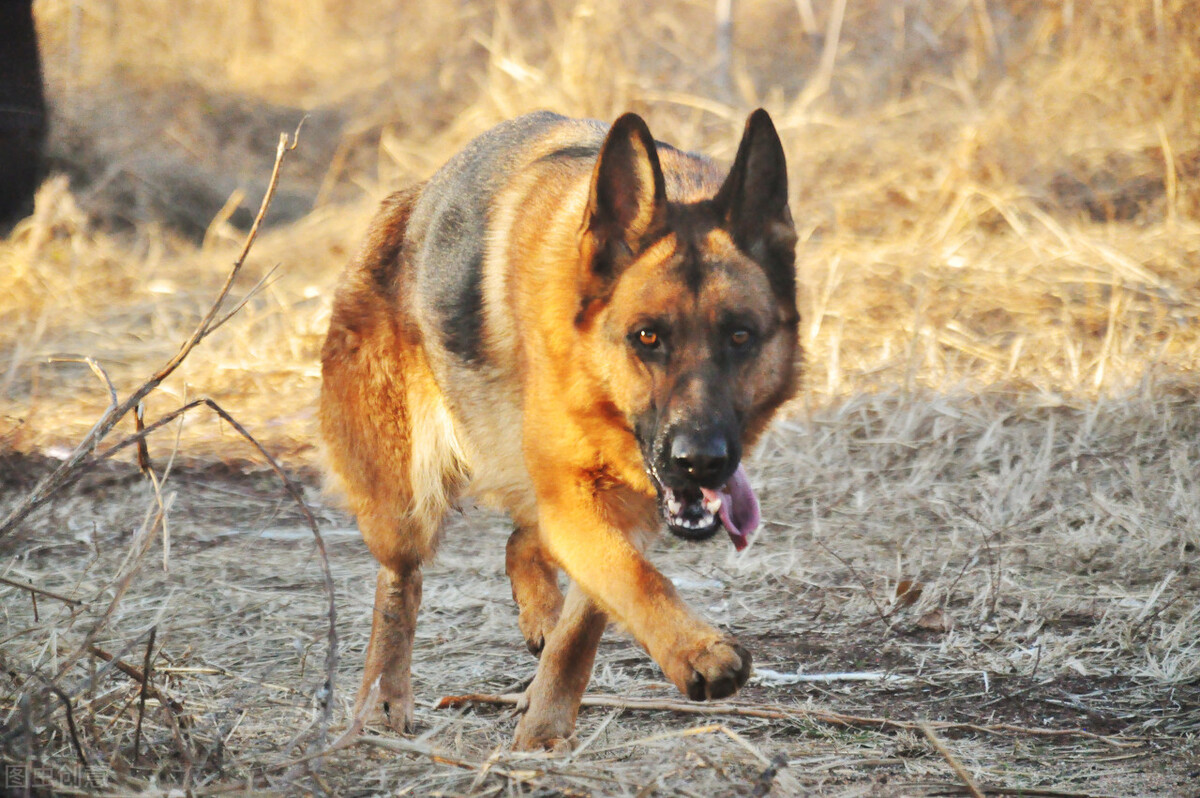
(968, 782)
(37, 591)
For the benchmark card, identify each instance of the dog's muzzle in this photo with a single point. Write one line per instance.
(697, 513)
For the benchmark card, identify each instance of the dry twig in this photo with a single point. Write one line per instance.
(42, 591)
(955, 765)
(137, 733)
(776, 712)
(81, 456)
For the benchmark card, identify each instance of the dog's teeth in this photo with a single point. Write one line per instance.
(674, 506)
(713, 505)
(703, 522)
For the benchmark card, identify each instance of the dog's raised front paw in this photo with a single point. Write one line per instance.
(714, 670)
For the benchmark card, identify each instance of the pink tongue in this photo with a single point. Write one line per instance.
(739, 508)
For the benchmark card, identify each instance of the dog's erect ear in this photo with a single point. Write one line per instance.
(754, 202)
(627, 205)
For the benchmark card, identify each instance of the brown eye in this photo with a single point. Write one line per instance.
(740, 337)
(648, 338)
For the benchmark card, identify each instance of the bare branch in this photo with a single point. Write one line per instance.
(71, 468)
(955, 765)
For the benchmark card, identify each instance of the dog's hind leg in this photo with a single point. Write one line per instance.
(386, 694)
(416, 475)
(400, 516)
(552, 701)
(391, 443)
(534, 579)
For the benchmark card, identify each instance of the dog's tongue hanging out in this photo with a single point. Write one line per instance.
(739, 508)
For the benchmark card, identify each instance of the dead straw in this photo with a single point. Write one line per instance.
(74, 464)
(82, 458)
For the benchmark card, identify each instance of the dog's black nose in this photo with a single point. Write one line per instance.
(703, 458)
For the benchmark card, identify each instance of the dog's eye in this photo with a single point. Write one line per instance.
(740, 338)
(648, 338)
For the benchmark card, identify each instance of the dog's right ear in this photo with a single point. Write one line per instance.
(627, 204)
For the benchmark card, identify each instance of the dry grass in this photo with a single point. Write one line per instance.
(1000, 248)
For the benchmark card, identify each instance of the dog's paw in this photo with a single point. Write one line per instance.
(393, 715)
(532, 737)
(713, 670)
(390, 707)
(398, 716)
(536, 621)
(544, 726)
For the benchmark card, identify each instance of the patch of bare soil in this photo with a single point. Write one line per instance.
(1050, 651)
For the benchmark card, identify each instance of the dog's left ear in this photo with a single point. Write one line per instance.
(754, 202)
(627, 204)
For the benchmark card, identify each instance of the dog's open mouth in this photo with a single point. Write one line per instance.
(697, 513)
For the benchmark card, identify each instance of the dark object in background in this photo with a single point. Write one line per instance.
(22, 109)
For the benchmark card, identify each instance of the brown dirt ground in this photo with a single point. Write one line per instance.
(1040, 639)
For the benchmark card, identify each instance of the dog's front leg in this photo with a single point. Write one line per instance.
(552, 700)
(534, 586)
(701, 661)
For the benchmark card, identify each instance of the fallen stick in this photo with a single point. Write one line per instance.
(42, 592)
(773, 678)
(776, 712)
(955, 765)
(954, 788)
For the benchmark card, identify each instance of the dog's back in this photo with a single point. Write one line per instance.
(460, 212)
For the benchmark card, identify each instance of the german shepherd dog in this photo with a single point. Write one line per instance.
(585, 328)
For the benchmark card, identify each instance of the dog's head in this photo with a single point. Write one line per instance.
(690, 310)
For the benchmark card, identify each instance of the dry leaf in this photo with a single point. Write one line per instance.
(935, 621)
(907, 592)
